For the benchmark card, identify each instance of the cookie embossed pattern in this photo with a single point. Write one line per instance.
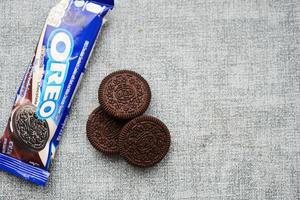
(124, 94)
(28, 129)
(103, 131)
(142, 140)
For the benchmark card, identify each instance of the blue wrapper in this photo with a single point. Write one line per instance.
(43, 100)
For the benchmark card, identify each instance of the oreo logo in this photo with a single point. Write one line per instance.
(60, 47)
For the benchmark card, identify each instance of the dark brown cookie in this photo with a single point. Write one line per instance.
(144, 141)
(124, 94)
(28, 129)
(103, 131)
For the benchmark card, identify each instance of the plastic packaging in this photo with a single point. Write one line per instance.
(43, 100)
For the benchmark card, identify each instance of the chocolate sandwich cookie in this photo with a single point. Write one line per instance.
(103, 131)
(144, 141)
(28, 129)
(124, 94)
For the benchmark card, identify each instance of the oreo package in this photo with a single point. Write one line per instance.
(43, 100)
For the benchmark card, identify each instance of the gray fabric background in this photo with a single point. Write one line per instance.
(225, 77)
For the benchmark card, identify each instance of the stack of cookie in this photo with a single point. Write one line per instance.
(118, 125)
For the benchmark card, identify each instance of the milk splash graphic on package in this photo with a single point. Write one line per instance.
(43, 100)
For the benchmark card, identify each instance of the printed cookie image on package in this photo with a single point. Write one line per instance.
(43, 100)
(28, 130)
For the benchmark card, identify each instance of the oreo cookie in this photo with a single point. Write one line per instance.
(103, 131)
(28, 130)
(124, 94)
(144, 141)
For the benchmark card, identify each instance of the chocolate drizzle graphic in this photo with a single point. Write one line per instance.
(28, 129)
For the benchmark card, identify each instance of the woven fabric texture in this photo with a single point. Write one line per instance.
(225, 78)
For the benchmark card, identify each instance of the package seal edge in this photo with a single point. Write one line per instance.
(24, 170)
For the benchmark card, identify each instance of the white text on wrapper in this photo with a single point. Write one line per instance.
(59, 50)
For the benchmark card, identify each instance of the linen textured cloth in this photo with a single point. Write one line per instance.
(225, 78)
